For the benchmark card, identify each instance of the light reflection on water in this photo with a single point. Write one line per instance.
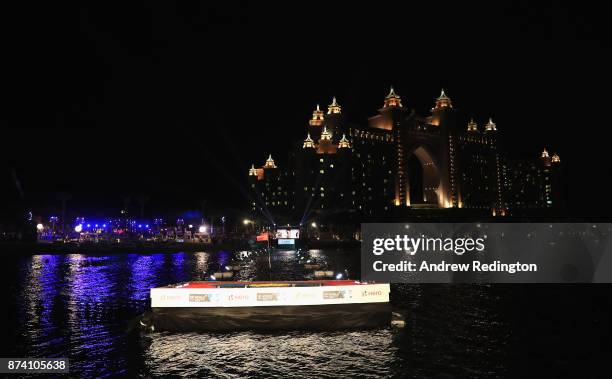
(295, 354)
(81, 306)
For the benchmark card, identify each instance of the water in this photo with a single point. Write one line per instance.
(81, 307)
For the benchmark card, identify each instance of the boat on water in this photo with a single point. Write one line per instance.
(271, 305)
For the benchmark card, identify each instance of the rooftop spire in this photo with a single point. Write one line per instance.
(252, 171)
(325, 135)
(317, 117)
(545, 153)
(344, 143)
(334, 107)
(490, 126)
(443, 101)
(555, 158)
(270, 162)
(472, 126)
(308, 142)
(392, 99)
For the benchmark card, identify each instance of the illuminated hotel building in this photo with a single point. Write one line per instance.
(533, 184)
(269, 188)
(401, 163)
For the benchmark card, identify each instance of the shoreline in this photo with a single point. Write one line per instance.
(136, 247)
(33, 248)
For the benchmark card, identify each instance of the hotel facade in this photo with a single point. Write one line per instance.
(400, 163)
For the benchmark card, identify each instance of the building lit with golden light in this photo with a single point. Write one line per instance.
(401, 162)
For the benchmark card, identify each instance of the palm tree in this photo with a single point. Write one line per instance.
(203, 203)
(126, 203)
(63, 197)
(142, 200)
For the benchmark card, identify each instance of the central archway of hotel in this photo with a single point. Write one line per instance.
(423, 178)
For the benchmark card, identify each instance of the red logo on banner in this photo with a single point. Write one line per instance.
(262, 237)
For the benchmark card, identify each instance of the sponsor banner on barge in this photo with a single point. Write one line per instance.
(268, 296)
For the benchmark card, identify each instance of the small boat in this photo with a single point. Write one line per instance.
(229, 306)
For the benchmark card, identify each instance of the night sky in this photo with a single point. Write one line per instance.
(175, 100)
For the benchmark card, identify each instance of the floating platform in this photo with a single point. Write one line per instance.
(228, 306)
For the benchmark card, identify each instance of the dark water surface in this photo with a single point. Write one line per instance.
(81, 307)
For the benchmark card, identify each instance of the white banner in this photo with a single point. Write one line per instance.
(269, 296)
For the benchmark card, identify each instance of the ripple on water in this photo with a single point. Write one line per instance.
(299, 354)
(80, 306)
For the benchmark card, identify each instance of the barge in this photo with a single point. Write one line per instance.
(272, 305)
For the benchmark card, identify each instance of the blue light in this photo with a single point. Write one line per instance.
(104, 225)
(96, 225)
(140, 225)
(147, 226)
(89, 225)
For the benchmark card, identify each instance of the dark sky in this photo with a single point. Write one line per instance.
(176, 99)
